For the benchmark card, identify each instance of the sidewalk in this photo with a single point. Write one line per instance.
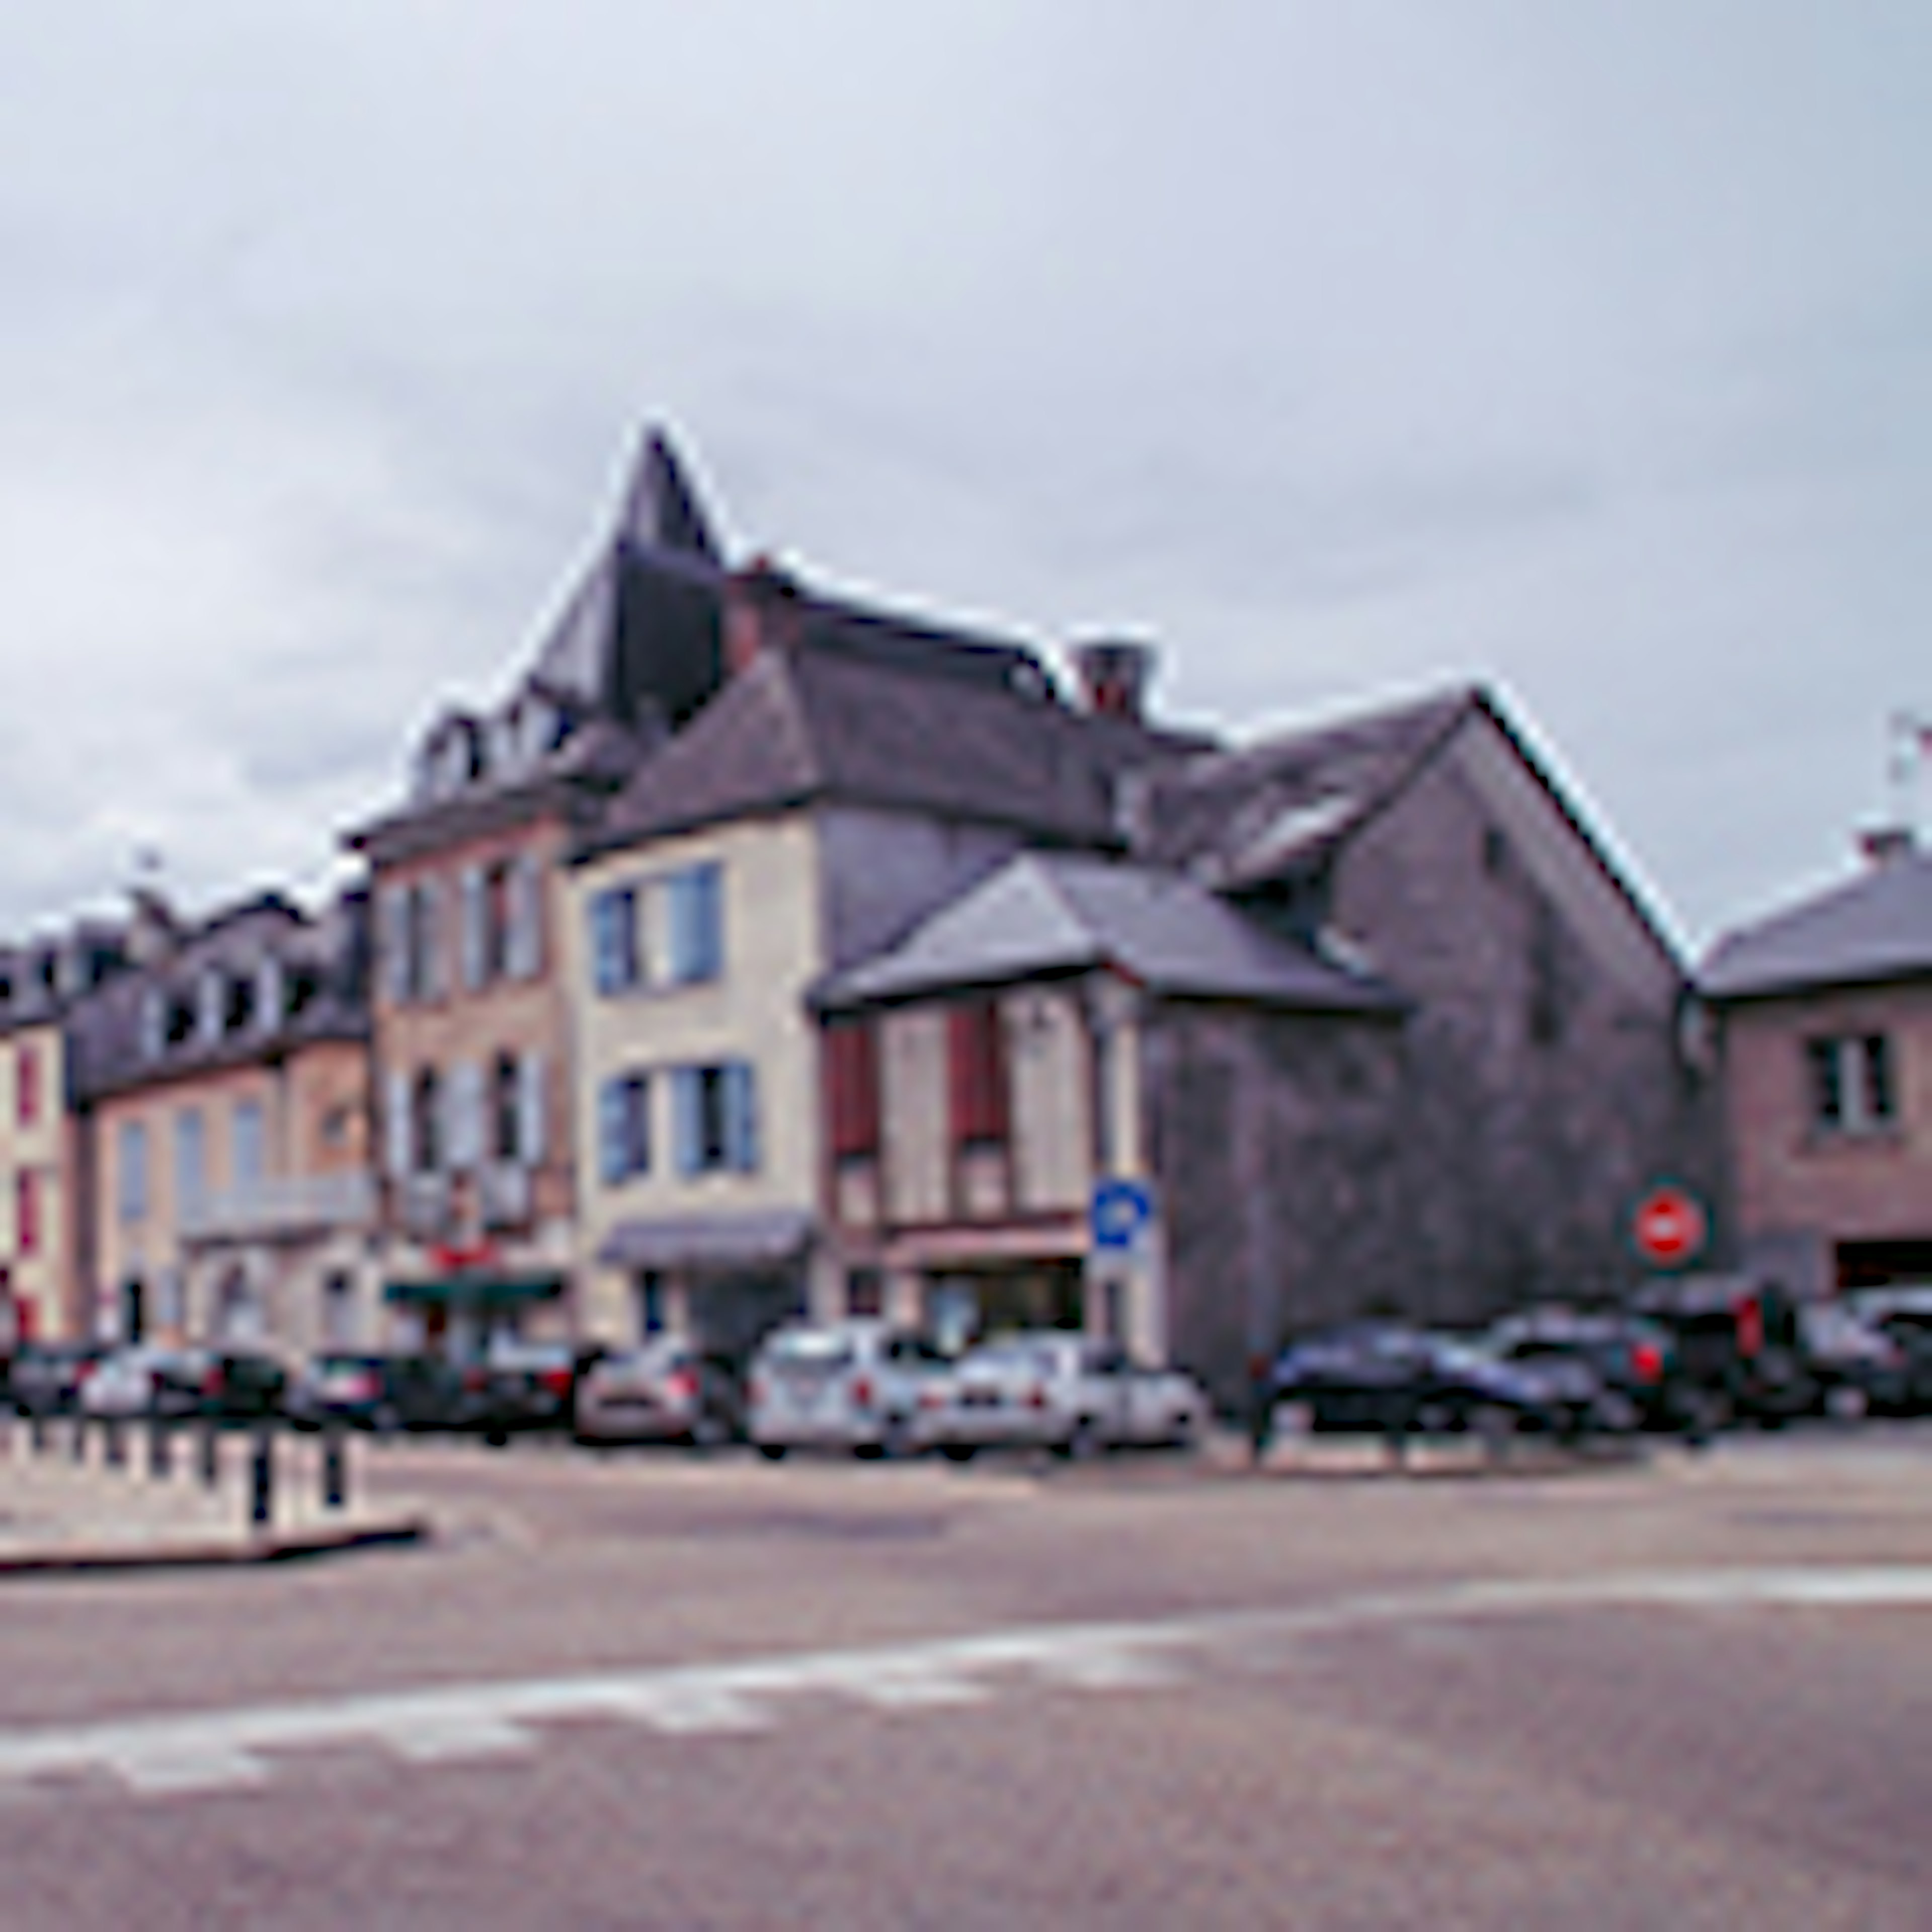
(58, 1515)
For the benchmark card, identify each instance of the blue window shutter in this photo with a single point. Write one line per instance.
(525, 949)
(396, 1123)
(611, 1111)
(476, 911)
(393, 942)
(530, 1136)
(687, 1103)
(693, 905)
(613, 940)
(741, 1117)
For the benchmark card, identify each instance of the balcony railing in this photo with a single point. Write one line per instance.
(286, 1207)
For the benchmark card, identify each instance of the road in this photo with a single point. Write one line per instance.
(655, 1691)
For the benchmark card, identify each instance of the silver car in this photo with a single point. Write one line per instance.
(662, 1391)
(862, 1384)
(1048, 1389)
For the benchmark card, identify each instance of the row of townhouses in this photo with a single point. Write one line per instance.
(763, 951)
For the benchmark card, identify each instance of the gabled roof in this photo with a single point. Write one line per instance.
(1046, 914)
(813, 723)
(1877, 927)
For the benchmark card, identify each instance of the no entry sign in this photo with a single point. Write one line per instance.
(1670, 1226)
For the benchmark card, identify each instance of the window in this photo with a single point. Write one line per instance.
(425, 1138)
(238, 1003)
(663, 932)
(613, 939)
(865, 1292)
(248, 1150)
(27, 1086)
(976, 1059)
(694, 927)
(852, 1088)
(131, 1176)
(1852, 1084)
(624, 1128)
(26, 1212)
(506, 1088)
(714, 1114)
(190, 1161)
(411, 917)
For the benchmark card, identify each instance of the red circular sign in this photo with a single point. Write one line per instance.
(1670, 1226)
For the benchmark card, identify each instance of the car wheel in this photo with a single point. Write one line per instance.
(1846, 1402)
(1436, 1418)
(773, 1452)
(958, 1452)
(1493, 1425)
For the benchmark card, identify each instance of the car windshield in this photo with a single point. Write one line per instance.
(811, 1348)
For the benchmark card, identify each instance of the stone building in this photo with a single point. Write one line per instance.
(220, 1096)
(1824, 1013)
(43, 1231)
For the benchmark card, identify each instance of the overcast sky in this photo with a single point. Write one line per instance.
(1343, 348)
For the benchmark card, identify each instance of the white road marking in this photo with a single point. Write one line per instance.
(202, 1751)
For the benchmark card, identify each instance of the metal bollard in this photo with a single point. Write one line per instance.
(117, 1444)
(262, 1480)
(37, 1429)
(334, 1468)
(211, 1453)
(77, 1442)
(160, 1446)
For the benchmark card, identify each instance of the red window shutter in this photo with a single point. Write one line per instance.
(26, 1212)
(977, 1063)
(852, 1081)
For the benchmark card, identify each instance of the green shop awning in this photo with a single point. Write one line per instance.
(475, 1291)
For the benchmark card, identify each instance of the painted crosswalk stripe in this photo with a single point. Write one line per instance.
(204, 1751)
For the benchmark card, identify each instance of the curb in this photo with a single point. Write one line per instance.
(291, 1546)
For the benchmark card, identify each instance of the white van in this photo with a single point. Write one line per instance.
(862, 1384)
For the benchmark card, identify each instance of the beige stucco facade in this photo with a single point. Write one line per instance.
(1803, 1190)
(1000, 1234)
(274, 1245)
(38, 1184)
(751, 1012)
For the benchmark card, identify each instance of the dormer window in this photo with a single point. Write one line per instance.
(301, 988)
(238, 1004)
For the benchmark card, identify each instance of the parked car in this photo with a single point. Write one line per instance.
(1738, 1341)
(241, 1385)
(1858, 1367)
(145, 1380)
(1645, 1385)
(380, 1392)
(664, 1390)
(860, 1384)
(520, 1387)
(1904, 1314)
(1048, 1389)
(1394, 1381)
(46, 1377)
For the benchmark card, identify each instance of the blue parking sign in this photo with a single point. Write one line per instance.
(1120, 1212)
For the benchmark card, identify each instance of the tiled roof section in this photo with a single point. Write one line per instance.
(1877, 927)
(324, 975)
(1237, 817)
(1044, 913)
(805, 723)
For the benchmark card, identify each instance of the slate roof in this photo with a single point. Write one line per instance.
(1043, 913)
(1877, 927)
(809, 723)
(105, 1046)
(1237, 817)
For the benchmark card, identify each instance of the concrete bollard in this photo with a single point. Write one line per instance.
(262, 1480)
(335, 1469)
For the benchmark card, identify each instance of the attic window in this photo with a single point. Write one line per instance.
(238, 1004)
(301, 987)
(180, 1021)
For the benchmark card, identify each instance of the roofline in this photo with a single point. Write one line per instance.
(1847, 980)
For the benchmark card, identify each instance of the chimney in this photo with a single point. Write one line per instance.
(1114, 674)
(763, 610)
(1886, 844)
